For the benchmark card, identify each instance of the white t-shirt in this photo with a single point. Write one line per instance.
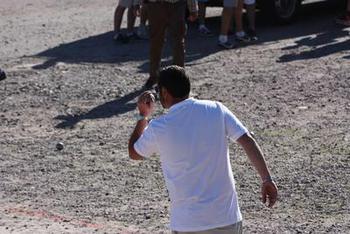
(192, 141)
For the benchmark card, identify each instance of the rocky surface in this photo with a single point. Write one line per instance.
(69, 82)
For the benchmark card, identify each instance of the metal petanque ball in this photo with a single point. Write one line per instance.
(2, 74)
(59, 146)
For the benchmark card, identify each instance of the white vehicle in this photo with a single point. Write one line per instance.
(284, 11)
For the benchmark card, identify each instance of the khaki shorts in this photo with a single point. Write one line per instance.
(230, 229)
(125, 3)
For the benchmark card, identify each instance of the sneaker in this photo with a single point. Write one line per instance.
(242, 37)
(252, 35)
(343, 20)
(133, 36)
(2, 75)
(118, 37)
(142, 32)
(226, 45)
(203, 30)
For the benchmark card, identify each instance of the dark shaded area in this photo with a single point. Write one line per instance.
(2, 75)
(315, 18)
(106, 110)
(322, 45)
(95, 49)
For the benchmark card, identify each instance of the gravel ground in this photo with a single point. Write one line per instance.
(68, 82)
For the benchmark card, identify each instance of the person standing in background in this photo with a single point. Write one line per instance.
(249, 34)
(226, 19)
(118, 18)
(251, 11)
(167, 16)
(202, 28)
(142, 32)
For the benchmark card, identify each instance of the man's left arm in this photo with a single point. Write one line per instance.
(254, 153)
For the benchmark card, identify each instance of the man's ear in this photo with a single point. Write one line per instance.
(166, 97)
(164, 92)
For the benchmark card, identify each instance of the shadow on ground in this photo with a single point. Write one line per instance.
(316, 18)
(316, 47)
(106, 110)
(315, 30)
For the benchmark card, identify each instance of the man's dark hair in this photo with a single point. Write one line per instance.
(175, 80)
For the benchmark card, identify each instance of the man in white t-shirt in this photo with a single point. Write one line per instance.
(192, 141)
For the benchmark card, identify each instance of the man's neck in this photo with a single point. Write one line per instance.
(177, 100)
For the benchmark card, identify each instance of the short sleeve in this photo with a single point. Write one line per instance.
(233, 127)
(146, 145)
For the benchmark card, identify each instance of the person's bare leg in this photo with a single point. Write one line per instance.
(238, 12)
(251, 32)
(131, 21)
(118, 17)
(226, 17)
(201, 13)
(225, 26)
(144, 15)
(251, 16)
(240, 34)
(142, 31)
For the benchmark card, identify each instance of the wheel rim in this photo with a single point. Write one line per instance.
(285, 8)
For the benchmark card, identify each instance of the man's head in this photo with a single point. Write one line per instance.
(174, 85)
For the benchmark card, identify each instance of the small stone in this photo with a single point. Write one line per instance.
(303, 107)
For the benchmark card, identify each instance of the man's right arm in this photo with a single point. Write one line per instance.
(140, 126)
(145, 105)
(254, 153)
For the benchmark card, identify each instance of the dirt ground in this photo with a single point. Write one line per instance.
(69, 82)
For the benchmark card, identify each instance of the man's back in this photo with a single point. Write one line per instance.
(192, 142)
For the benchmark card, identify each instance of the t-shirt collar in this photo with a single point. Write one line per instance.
(180, 104)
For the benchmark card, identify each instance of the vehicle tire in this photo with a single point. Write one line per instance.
(283, 11)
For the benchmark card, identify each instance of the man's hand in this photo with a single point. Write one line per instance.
(145, 103)
(269, 193)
